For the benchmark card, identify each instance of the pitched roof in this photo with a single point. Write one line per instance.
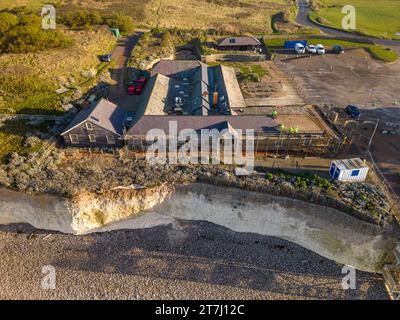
(228, 86)
(200, 94)
(171, 67)
(105, 114)
(258, 123)
(154, 97)
(240, 41)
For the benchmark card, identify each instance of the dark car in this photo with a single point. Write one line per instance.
(143, 74)
(337, 49)
(353, 111)
(106, 58)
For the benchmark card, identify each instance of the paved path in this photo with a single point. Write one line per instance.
(121, 54)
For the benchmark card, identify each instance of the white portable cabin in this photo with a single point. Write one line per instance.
(350, 170)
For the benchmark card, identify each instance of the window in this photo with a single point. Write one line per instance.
(110, 139)
(89, 126)
(92, 138)
(332, 171)
(355, 173)
(74, 138)
(232, 40)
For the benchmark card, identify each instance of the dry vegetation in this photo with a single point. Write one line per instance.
(233, 16)
(226, 15)
(28, 81)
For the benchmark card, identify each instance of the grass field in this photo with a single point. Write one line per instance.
(226, 15)
(246, 72)
(34, 4)
(379, 19)
(376, 51)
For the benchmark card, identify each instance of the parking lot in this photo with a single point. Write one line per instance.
(355, 78)
(350, 78)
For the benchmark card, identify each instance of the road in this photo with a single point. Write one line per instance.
(302, 19)
(121, 55)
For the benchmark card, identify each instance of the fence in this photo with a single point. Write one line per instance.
(394, 199)
(29, 117)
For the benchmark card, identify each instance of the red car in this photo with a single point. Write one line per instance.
(136, 87)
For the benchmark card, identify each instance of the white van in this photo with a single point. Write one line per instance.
(320, 49)
(299, 48)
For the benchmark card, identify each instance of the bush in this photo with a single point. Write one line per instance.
(84, 19)
(269, 176)
(166, 40)
(124, 23)
(22, 33)
(75, 19)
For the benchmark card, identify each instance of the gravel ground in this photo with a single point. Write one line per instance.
(188, 260)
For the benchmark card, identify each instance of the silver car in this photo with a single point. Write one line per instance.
(311, 49)
(320, 49)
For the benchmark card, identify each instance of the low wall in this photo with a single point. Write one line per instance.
(234, 57)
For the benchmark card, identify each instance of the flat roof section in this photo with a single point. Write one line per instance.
(350, 164)
(258, 123)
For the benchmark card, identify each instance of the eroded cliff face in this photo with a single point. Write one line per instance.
(325, 231)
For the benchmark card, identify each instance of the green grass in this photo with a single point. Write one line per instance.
(382, 53)
(12, 137)
(379, 19)
(247, 72)
(275, 42)
(376, 51)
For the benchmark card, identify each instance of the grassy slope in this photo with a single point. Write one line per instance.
(232, 15)
(229, 15)
(28, 81)
(35, 4)
(12, 137)
(376, 18)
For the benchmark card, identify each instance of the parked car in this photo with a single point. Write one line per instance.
(106, 58)
(136, 86)
(299, 48)
(320, 49)
(353, 111)
(337, 49)
(311, 49)
(143, 74)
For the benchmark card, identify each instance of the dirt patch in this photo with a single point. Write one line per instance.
(274, 89)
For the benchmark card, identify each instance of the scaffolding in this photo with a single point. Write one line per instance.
(391, 274)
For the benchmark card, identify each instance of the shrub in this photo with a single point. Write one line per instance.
(84, 19)
(23, 33)
(124, 23)
(269, 176)
(166, 40)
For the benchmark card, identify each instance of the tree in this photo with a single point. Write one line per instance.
(7, 20)
(124, 23)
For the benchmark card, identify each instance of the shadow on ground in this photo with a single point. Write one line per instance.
(205, 253)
